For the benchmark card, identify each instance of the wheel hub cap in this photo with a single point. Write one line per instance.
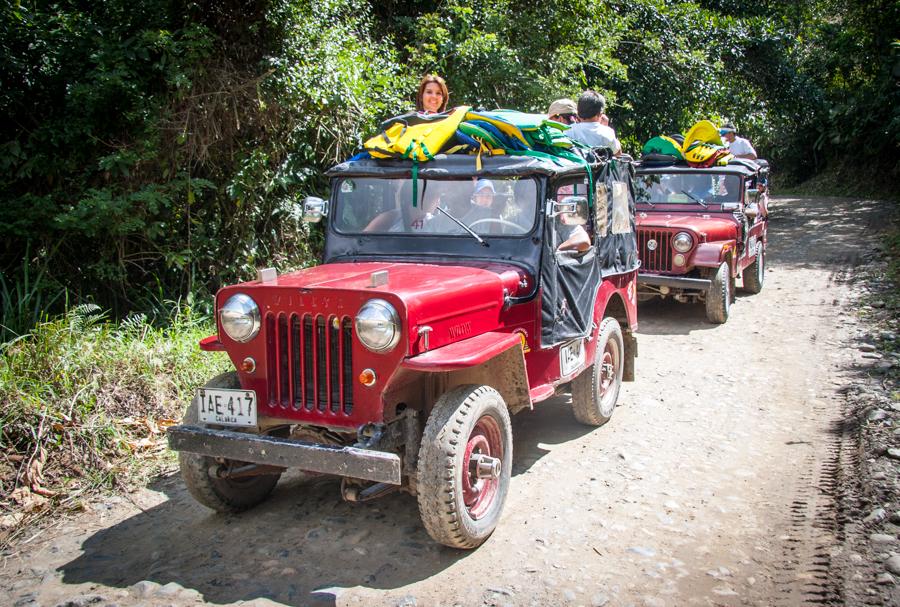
(482, 465)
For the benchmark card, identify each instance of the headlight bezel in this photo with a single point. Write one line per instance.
(683, 248)
(236, 308)
(379, 311)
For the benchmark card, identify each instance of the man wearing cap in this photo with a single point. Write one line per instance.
(564, 111)
(593, 127)
(738, 146)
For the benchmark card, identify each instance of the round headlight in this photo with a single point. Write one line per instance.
(378, 325)
(682, 242)
(240, 317)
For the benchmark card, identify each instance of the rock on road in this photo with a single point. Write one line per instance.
(710, 486)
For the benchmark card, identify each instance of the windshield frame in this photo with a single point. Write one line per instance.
(448, 227)
(706, 204)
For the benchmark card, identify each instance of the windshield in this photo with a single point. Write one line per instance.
(489, 207)
(686, 188)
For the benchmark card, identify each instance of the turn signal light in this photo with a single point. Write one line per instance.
(248, 365)
(678, 260)
(367, 377)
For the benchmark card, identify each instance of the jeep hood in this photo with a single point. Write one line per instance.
(718, 226)
(454, 301)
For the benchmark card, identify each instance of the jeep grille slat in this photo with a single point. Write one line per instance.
(310, 363)
(659, 259)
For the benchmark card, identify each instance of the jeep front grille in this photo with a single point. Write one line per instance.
(660, 258)
(310, 362)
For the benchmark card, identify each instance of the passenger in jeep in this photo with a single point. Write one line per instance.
(432, 96)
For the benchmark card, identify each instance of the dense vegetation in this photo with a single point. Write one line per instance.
(154, 150)
(157, 149)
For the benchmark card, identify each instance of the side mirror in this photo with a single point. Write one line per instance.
(314, 209)
(572, 210)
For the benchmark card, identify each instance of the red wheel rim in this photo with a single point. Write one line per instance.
(608, 376)
(607, 369)
(479, 493)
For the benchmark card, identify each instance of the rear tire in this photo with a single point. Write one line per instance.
(459, 508)
(718, 298)
(221, 494)
(596, 390)
(754, 274)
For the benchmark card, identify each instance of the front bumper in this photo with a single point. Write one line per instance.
(352, 462)
(676, 282)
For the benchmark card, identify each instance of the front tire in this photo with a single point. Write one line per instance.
(718, 298)
(754, 274)
(596, 390)
(221, 494)
(465, 465)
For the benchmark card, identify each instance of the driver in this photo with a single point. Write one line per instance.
(686, 188)
(482, 202)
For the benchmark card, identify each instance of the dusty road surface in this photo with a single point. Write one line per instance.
(713, 484)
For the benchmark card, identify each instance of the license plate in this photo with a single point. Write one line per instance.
(571, 357)
(226, 407)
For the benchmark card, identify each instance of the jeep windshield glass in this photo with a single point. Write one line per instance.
(489, 207)
(686, 188)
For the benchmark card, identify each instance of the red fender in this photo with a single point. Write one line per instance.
(464, 354)
(712, 254)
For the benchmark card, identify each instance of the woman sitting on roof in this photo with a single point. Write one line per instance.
(433, 96)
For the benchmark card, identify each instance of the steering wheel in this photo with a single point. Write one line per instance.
(502, 222)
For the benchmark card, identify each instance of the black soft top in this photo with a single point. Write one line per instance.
(459, 165)
(743, 168)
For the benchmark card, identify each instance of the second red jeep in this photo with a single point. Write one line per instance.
(699, 230)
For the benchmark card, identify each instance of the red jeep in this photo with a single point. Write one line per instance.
(699, 229)
(442, 307)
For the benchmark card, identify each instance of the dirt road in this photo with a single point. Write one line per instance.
(713, 484)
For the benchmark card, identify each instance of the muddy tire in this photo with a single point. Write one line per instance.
(718, 298)
(596, 390)
(460, 493)
(754, 274)
(222, 495)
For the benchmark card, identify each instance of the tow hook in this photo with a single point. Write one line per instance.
(369, 435)
(485, 465)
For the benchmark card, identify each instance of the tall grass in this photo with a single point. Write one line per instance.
(86, 402)
(25, 296)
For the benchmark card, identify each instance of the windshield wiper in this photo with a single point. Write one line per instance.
(480, 240)
(694, 198)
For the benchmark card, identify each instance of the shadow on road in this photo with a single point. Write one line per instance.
(302, 546)
(821, 232)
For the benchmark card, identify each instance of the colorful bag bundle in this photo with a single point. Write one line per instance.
(701, 147)
(420, 137)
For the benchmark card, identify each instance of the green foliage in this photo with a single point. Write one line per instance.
(165, 146)
(506, 54)
(86, 400)
(157, 150)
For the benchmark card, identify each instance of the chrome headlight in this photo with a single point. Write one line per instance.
(683, 242)
(240, 318)
(378, 325)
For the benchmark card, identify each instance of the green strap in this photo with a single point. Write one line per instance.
(415, 178)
